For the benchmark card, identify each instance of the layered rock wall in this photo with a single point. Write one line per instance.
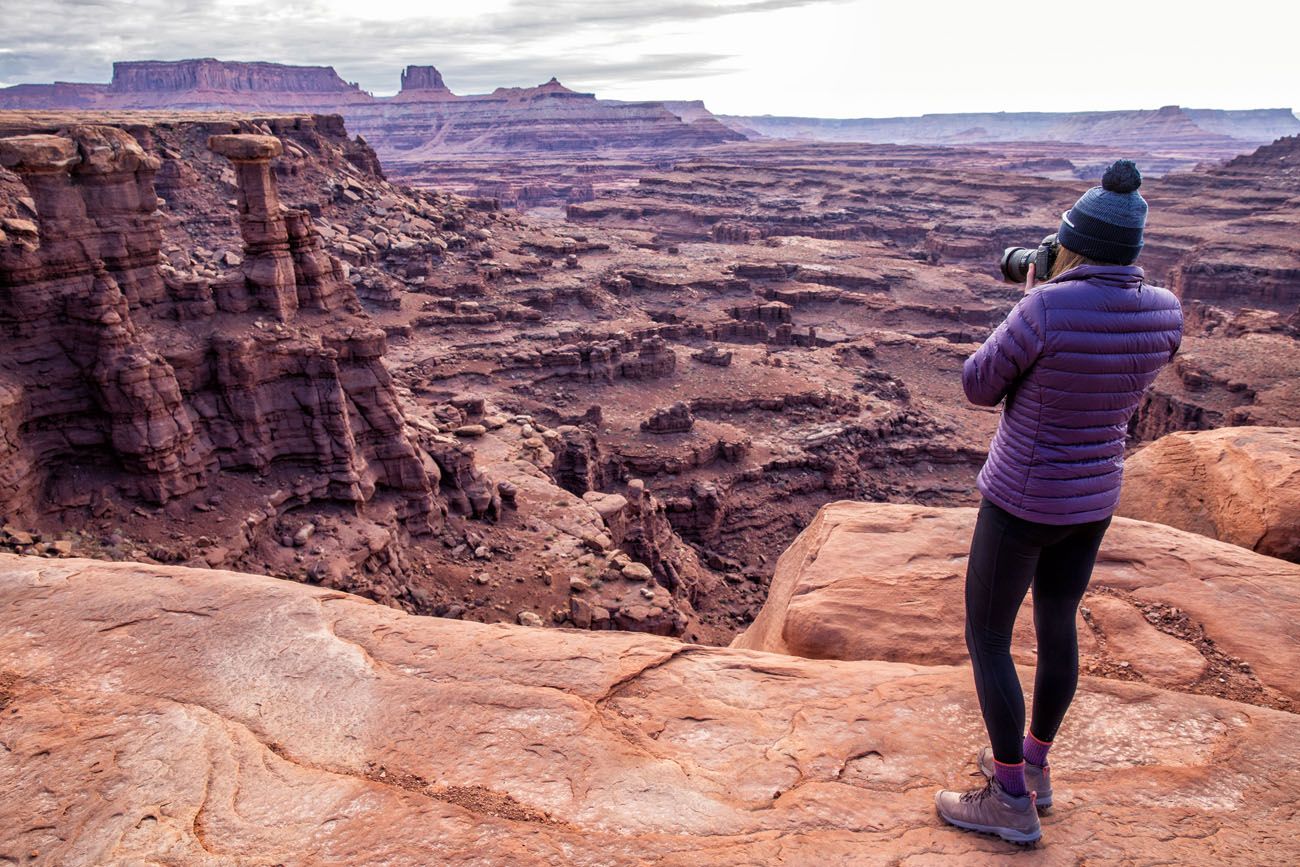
(91, 386)
(122, 375)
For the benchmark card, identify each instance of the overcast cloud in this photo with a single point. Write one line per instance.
(814, 57)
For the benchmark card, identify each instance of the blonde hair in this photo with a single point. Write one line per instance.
(1067, 259)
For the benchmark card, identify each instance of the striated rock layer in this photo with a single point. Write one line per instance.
(1239, 485)
(168, 715)
(885, 581)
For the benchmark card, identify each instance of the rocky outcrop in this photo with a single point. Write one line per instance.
(713, 356)
(654, 359)
(1238, 485)
(883, 581)
(166, 714)
(285, 266)
(125, 375)
(82, 379)
(670, 419)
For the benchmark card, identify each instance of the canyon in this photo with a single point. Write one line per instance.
(233, 342)
(647, 436)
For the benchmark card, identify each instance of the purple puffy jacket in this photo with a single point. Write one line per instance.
(1072, 360)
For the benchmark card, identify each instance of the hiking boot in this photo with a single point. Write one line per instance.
(991, 810)
(1036, 779)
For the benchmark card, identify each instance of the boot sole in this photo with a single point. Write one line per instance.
(1011, 835)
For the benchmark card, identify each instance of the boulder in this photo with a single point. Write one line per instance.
(669, 419)
(885, 581)
(168, 715)
(1238, 485)
(246, 147)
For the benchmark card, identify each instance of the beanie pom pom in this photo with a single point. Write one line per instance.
(1122, 177)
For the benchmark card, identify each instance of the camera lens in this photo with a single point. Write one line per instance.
(1015, 264)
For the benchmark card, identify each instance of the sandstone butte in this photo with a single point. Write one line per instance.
(165, 715)
(1166, 607)
(1240, 485)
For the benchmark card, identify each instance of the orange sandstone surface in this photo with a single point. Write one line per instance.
(166, 715)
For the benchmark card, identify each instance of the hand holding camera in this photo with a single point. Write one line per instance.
(1023, 265)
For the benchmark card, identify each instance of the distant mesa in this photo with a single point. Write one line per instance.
(424, 119)
(550, 88)
(161, 76)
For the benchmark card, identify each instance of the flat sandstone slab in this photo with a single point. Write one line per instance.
(885, 581)
(166, 715)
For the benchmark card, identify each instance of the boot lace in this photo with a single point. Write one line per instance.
(974, 796)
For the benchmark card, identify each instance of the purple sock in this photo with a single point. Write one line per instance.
(1036, 750)
(1012, 778)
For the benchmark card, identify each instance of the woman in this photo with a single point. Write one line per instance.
(1071, 361)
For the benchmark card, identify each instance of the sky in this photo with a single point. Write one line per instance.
(821, 58)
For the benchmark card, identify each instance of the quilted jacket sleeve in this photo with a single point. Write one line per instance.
(1178, 338)
(1007, 354)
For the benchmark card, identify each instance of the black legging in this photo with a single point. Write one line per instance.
(1007, 554)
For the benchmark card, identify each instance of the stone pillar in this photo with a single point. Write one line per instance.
(319, 278)
(268, 265)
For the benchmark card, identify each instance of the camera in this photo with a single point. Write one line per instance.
(1016, 260)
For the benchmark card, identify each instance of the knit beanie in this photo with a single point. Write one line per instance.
(1106, 223)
